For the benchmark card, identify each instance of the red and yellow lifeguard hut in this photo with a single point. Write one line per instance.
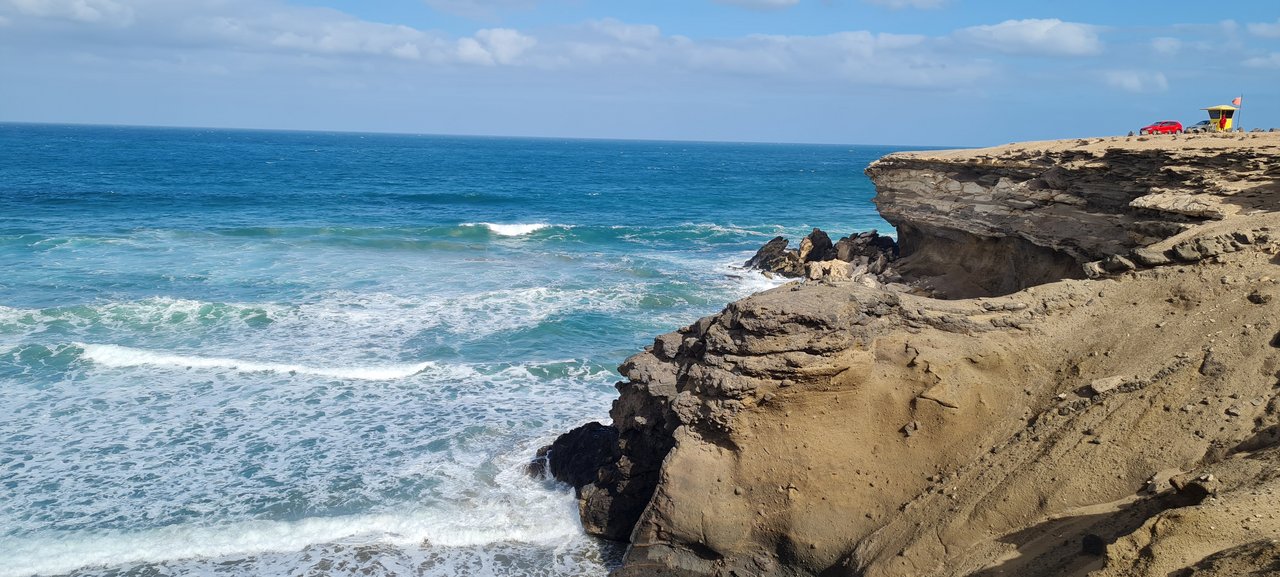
(1221, 116)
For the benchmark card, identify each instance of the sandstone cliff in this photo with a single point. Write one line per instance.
(1037, 422)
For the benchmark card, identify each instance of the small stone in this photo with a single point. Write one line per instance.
(1094, 269)
(1116, 263)
(1185, 252)
(1148, 257)
(1211, 366)
(1099, 386)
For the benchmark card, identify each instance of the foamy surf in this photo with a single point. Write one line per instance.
(207, 302)
(462, 528)
(119, 357)
(511, 229)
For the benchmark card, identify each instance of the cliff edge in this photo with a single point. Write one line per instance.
(1095, 394)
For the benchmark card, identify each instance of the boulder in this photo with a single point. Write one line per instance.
(574, 457)
(816, 247)
(774, 257)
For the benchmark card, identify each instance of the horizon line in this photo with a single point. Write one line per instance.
(448, 135)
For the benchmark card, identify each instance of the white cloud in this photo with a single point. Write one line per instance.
(471, 52)
(162, 28)
(1166, 46)
(244, 35)
(1051, 37)
(858, 57)
(1136, 80)
(88, 11)
(900, 4)
(1269, 61)
(760, 4)
(1265, 30)
(352, 37)
(4, 21)
(494, 46)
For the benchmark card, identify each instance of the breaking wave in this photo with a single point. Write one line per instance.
(118, 356)
(513, 229)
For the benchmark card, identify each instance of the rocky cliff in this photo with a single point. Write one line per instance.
(1097, 393)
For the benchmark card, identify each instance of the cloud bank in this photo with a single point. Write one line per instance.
(1047, 37)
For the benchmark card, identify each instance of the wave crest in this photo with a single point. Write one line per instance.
(119, 356)
(513, 229)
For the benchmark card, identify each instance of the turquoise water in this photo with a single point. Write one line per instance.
(283, 353)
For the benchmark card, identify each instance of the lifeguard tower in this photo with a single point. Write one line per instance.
(1221, 116)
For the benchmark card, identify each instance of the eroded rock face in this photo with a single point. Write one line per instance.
(1115, 424)
(993, 221)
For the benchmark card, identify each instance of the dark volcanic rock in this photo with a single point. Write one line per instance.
(774, 257)
(614, 473)
(575, 456)
(869, 244)
(867, 249)
(816, 247)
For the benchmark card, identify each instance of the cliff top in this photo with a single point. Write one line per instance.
(1268, 142)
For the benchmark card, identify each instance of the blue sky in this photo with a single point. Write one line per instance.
(929, 72)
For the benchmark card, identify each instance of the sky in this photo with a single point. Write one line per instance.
(904, 72)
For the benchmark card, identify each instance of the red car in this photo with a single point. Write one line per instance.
(1162, 127)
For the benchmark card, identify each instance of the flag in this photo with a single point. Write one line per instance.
(1236, 102)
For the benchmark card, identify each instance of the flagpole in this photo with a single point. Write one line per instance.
(1240, 113)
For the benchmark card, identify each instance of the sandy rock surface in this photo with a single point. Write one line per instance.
(1099, 396)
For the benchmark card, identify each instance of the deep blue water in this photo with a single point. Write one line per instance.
(274, 353)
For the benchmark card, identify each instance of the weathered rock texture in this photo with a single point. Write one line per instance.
(995, 221)
(1125, 425)
(866, 258)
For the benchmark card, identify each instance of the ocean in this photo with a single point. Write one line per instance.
(252, 353)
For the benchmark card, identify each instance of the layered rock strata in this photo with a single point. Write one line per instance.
(1118, 425)
(995, 221)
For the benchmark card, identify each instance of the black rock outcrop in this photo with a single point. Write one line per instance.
(866, 252)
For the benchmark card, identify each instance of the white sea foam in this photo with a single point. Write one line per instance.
(549, 520)
(774, 229)
(118, 356)
(511, 229)
(749, 281)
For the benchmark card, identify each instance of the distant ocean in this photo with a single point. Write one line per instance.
(288, 353)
